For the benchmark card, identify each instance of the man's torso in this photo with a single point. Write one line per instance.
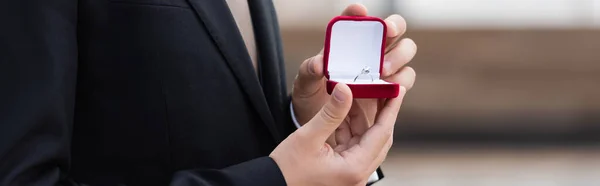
(163, 86)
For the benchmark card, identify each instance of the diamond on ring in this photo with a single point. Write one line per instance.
(365, 71)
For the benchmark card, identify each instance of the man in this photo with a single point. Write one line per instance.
(157, 92)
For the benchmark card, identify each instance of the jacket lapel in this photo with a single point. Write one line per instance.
(221, 25)
(270, 55)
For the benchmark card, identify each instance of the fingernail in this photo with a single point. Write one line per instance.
(338, 95)
(392, 28)
(402, 91)
(412, 42)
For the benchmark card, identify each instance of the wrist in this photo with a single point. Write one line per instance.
(289, 175)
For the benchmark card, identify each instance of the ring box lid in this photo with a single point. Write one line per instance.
(351, 44)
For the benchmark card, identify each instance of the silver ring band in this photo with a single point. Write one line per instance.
(367, 74)
(365, 71)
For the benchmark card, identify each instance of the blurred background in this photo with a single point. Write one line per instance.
(507, 91)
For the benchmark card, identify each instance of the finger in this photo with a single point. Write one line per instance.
(355, 10)
(406, 77)
(374, 140)
(380, 104)
(396, 26)
(399, 56)
(331, 140)
(333, 113)
(343, 134)
(383, 154)
(362, 114)
(310, 76)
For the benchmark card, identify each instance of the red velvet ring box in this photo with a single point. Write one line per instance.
(354, 50)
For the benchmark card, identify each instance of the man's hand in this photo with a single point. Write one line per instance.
(305, 158)
(309, 92)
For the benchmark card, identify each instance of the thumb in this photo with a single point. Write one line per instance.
(310, 76)
(329, 118)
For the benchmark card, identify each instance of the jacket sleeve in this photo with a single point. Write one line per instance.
(38, 69)
(261, 171)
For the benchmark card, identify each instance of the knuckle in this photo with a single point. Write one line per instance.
(328, 115)
(305, 63)
(305, 67)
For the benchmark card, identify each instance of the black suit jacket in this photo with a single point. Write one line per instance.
(138, 92)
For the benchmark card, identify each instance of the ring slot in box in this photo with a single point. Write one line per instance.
(353, 55)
